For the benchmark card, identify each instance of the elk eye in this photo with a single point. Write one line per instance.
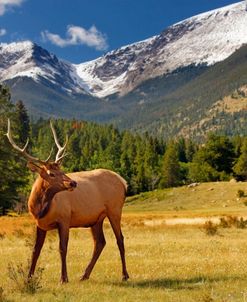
(50, 173)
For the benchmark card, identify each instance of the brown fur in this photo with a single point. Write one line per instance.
(95, 195)
(99, 193)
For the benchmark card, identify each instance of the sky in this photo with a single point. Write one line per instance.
(82, 30)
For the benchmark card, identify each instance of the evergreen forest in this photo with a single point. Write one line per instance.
(145, 161)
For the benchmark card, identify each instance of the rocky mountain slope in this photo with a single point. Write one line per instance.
(203, 39)
(164, 84)
(26, 59)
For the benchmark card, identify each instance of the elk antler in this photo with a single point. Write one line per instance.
(61, 150)
(23, 150)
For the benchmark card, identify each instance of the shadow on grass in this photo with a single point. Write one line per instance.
(191, 283)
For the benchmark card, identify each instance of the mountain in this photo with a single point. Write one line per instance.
(26, 59)
(48, 85)
(181, 103)
(201, 40)
(166, 84)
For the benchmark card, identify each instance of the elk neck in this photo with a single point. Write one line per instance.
(40, 198)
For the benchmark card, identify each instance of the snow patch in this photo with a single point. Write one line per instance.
(203, 39)
(208, 38)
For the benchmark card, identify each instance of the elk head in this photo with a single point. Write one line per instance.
(54, 180)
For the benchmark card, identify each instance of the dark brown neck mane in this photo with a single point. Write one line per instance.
(40, 198)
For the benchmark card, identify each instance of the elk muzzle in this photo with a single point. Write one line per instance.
(70, 185)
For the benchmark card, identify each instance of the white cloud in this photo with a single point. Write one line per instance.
(3, 32)
(77, 35)
(6, 4)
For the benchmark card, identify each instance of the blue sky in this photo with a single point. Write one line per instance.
(81, 30)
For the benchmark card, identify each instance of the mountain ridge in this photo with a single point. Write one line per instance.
(156, 85)
(204, 39)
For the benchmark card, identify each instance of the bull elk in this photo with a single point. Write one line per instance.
(82, 199)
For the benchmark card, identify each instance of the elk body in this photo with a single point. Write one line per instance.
(82, 199)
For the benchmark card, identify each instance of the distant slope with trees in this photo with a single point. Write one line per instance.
(145, 161)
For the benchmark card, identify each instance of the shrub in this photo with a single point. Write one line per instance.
(232, 221)
(19, 276)
(210, 228)
(19, 233)
(240, 193)
(241, 223)
(228, 222)
(207, 298)
(2, 235)
(224, 223)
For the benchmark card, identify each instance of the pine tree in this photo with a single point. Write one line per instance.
(11, 180)
(182, 150)
(171, 167)
(240, 168)
(190, 150)
(213, 161)
(22, 122)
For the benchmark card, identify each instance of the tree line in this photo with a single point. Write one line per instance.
(145, 161)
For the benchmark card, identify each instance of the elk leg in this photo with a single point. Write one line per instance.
(99, 243)
(40, 239)
(63, 232)
(115, 223)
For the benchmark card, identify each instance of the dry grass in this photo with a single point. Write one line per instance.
(14, 225)
(165, 263)
(207, 199)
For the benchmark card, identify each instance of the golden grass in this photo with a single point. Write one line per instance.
(165, 264)
(11, 225)
(178, 263)
(207, 199)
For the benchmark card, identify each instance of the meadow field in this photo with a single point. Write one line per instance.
(166, 262)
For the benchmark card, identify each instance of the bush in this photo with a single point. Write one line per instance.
(241, 223)
(224, 223)
(19, 233)
(229, 221)
(2, 235)
(240, 193)
(232, 221)
(19, 276)
(210, 228)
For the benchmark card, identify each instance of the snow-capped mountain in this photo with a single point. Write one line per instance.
(200, 40)
(26, 59)
(203, 39)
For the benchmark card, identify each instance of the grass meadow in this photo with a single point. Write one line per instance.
(165, 263)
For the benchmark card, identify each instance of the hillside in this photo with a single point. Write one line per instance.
(176, 112)
(37, 98)
(206, 199)
(179, 103)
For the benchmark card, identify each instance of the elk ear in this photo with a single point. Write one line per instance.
(34, 167)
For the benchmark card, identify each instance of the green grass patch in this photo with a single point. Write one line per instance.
(218, 198)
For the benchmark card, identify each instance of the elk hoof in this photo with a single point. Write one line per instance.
(64, 280)
(125, 277)
(84, 278)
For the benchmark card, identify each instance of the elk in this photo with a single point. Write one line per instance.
(82, 199)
